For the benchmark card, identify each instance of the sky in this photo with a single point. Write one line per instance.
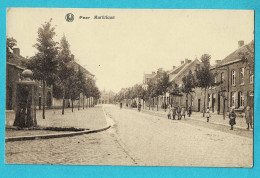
(119, 51)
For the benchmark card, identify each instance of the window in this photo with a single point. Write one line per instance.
(222, 77)
(242, 73)
(233, 78)
(232, 100)
(241, 99)
(215, 79)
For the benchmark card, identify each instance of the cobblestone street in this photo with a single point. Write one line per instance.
(141, 139)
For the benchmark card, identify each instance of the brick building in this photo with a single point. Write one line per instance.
(236, 73)
(15, 64)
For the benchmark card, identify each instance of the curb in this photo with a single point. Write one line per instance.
(47, 136)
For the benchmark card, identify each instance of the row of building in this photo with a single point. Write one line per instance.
(234, 72)
(16, 64)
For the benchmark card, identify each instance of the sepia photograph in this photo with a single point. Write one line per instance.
(130, 87)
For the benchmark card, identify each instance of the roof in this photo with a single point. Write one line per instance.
(235, 56)
(85, 71)
(149, 75)
(179, 70)
(15, 65)
(16, 60)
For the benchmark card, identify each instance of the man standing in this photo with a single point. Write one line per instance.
(139, 106)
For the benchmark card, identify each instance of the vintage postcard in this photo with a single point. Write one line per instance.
(135, 87)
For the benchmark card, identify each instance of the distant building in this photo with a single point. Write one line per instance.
(106, 97)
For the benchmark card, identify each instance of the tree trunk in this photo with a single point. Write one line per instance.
(165, 102)
(204, 102)
(63, 102)
(157, 99)
(190, 101)
(79, 102)
(143, 103)
(149, 103)
(153, 104)
(72, 104)
(187, 101)
(43, 99)
(83, 101)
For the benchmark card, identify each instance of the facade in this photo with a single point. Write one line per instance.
(236, 74)
(175, 76)
(15, 65)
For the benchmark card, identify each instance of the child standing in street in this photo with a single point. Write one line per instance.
(232, 118)
(208, 114)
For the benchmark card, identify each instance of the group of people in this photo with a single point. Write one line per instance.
(232, 117)
(248, 118)
(178, 111)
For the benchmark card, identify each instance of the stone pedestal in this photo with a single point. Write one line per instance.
(25, 113)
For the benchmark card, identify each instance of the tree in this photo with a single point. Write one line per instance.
(10, 44)
(205, 78)
(65, 70)
(188, 85)
(151, 92)
(81, 83)
(44, 63)
(163, 86)
(73, 88)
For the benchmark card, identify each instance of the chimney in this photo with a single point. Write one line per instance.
(182, 62)
(217, 61)
(72, 57)
(189, 61)
(173, 67)
(153, 72)
(160, 70)
(186, 61)
(16, 51)
(240, 43)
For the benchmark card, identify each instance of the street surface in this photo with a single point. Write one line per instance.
(139, 138)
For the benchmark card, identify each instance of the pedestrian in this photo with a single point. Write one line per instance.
(208, 115)
(183, 112)
(121, 104)
(169, 111)
(232, 118)
(179, 112)
(139, 106)
(248, 117)
(189, 111)
(173, 112)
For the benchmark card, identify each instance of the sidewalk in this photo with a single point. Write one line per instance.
(215, 118)
(88, 119)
